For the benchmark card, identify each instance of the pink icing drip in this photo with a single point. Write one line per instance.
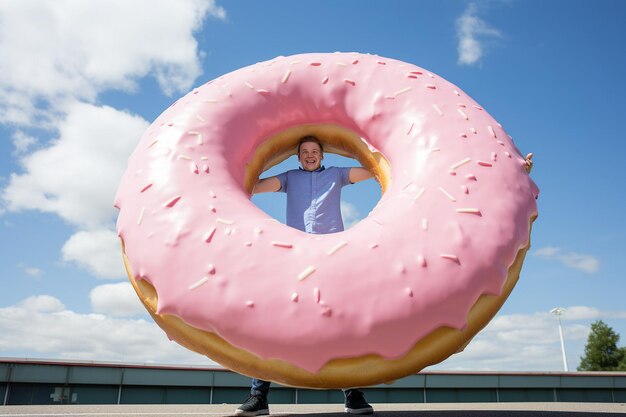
(202, 229)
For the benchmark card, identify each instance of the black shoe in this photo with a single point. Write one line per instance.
(356, 404)
(255, 405)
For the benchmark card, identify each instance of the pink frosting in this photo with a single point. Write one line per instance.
(445, 232)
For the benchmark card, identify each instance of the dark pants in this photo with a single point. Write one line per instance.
(262, 388)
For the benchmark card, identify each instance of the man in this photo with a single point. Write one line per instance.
(313, 206)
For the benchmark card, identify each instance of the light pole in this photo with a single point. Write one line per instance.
(558, 312)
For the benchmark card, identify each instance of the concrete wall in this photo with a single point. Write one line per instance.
(41, 382)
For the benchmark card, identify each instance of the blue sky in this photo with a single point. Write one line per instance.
(82, 80)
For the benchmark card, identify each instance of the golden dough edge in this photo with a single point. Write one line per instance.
(338, 373)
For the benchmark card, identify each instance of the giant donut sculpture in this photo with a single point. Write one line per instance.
(406, 287)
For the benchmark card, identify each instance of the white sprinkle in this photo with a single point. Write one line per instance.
(473, 130)
(281, 244)
(342, 64)
(410, 128)
(286, 76)
(294, 62)
(377, 221)
(317, 295)
(404, 90)
(337, 247)
(199, 140)
(348, 81)
(205, 168)
(249, 85)
(247, 243)
(469, 211)
(257, 231)
(373, 245)
(308, 271)
(206, 100)
(224, 221)
(200, 118)
(419, 194)
(410, 183)
(209, 235)
(447, 194)
(493, 133)
(228, 231)
(456, 92)
(508, 155)
(435, 150)
(462, 113)
(325, 80)
(494, 156)
(477, 107)
(438, 109)
(452, 258)
(249, 304)
(460, 163)
(212, 194)
(204, 158)
(193, 132)
(425, 224)
(211, 269)
(185, 157)
(199, 283)
(143, 209)
(421, 261)
(295, 297)
(152, 143)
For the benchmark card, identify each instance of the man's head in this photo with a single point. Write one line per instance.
(310, 153)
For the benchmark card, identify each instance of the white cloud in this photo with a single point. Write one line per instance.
(117, 300)
(350, 214)
(32, 271)
(77, 175)
(22, 142)
(582, 262)
(471, 32)
(38, 327)
(528, 342)
(76, 49)
(42, 304)
(98, 251)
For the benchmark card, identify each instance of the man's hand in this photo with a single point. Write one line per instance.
(528, 163)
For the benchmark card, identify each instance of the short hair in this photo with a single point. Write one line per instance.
(310, 138)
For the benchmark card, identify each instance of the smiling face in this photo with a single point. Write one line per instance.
(310, 156)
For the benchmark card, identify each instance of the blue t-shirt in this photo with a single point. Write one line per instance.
(314, 198)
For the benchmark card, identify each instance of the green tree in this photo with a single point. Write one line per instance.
(601, 351)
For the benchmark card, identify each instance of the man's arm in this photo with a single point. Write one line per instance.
(267, 185)
(358, 174)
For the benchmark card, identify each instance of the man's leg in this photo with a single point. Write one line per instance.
(256, 404)
(355, 402)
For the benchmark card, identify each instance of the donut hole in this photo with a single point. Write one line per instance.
(341, 147)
